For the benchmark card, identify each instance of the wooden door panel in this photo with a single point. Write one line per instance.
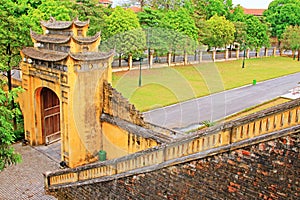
(50, 116)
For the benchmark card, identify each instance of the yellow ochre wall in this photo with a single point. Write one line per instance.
(118, 142)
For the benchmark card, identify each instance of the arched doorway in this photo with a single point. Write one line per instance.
(50, 113)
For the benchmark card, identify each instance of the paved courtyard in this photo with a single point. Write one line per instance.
(25, 180)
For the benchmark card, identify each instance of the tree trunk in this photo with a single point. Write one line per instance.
(120, 58)
(298, 54)
(174, 56)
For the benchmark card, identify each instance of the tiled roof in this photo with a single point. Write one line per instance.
(105, 1)
(135, 9)
(254, 11)
(46, 55)
(53, 24)
(88, 39)
(80, 23)
(55, 39)
(86, 56)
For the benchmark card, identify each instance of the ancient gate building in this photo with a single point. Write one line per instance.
(62, 76)
(68, 97)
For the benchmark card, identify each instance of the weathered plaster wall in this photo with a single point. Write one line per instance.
(269, 170)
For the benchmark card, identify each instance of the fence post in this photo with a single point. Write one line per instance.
(226, 54)
(214, 55)
(248, 53)
(274, 51)
(200, 56)
(150, 60)
(185, 58)
(237, 53)
(130, 61)
(266, 52)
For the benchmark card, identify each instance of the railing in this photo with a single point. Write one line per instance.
(278, 118)
(199, 57)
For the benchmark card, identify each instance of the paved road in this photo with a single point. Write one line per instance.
(216, 106)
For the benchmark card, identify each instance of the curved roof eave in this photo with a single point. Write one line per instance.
(44, 55)
(59, 39)
(53, 24)
(81, 23)
(87, 39)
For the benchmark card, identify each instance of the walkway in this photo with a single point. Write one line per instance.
(189, 114)
(25, 180)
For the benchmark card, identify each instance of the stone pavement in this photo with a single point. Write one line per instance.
(25, 180)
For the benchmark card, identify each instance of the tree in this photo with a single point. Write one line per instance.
(93, 11)
(291, 39)
(123, 33)
(150, 17)
(7, 136)
(205, 9)
(256, 33)
(181, 30)
(238, 14)
(220, 32)
(59, 9)
(282, 13)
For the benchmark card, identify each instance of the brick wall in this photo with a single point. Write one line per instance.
(269, 170)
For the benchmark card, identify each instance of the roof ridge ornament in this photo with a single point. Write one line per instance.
(52, 19)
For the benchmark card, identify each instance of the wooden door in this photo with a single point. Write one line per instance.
(50, 116)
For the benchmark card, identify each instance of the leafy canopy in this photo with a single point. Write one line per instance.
(7, 154)
(123, 33)
(282, 13)
(220, 32)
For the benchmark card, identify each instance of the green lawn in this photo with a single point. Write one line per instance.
(169, 85)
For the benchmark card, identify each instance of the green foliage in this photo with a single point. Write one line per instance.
(208, 123)
(220, 32)
(170, 4)
(282, 13)
(205, 9)
(130, 42)
(59, 9)
(7, 136)
(240, 34)
(256, 33)
(123, 32)
(120, 21)
(150, 17)
(14, 33)
(93, 11)
(238, 14)
(291, 38)
(180, 21)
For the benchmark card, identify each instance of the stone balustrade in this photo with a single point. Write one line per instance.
(273, 122)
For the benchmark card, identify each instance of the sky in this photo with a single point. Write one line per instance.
(253, 3)
(245, 3)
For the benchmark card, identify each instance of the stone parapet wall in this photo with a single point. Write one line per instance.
(118, 106)
(268, 170)
(268, 124)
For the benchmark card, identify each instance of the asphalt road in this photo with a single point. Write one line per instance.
(189, 114)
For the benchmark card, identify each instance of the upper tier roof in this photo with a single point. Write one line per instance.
(56, 39)
(59, 39)
(53, 24)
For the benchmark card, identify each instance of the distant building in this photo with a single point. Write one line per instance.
(254, 11)
(135, 9)
(106, 2)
